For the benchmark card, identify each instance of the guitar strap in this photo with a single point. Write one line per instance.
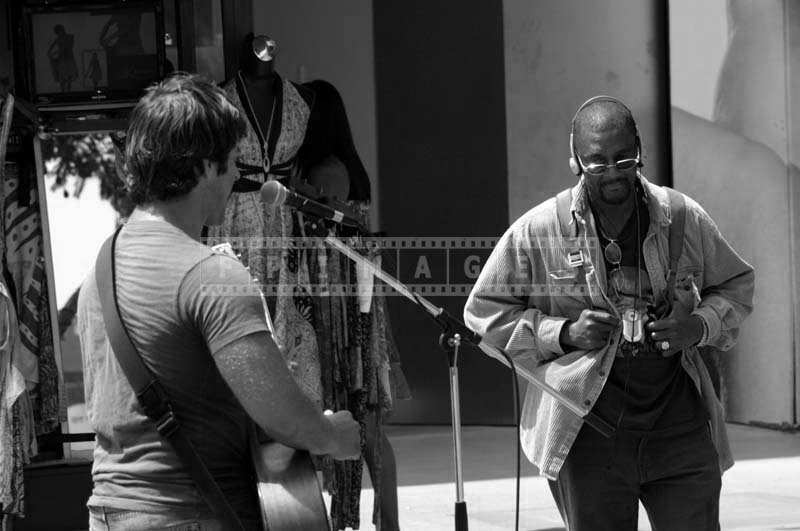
(148, 389)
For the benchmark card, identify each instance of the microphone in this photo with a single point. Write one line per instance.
(275, 194)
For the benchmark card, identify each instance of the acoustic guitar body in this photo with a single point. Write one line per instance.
(288, 489)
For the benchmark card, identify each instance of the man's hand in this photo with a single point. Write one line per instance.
(680, 329)
(346, 440)
(590, 331)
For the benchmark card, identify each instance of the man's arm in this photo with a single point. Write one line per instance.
(497, 307)
(256, 372)
(728, 283)
(234, 327)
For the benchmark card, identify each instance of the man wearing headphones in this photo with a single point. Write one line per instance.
(607, 290)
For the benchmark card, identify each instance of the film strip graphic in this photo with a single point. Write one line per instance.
(430, 266)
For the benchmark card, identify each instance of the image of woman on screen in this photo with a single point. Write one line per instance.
(93, 71)
(121, 35)
(62, 58)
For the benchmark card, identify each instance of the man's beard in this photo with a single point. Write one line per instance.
(617, 196)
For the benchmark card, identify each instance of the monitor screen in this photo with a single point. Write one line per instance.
(94, 52)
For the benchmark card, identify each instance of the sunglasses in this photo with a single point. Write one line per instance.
(597, 168)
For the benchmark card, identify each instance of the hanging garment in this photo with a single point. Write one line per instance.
(23, 247)
(35, 358)
(17, 438)
(36, 326)
(12, 384)
(339, 355)
(265, 236)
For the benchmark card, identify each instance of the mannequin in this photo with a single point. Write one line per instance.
(257, 66)
(338, 353)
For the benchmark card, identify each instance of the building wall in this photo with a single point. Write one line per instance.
(422, 90)
(442, 160)
(6, 55)
(320, 39)
(437, 94)
(558, 53)
(736, 152)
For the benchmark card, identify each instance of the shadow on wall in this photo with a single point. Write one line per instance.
(743, 186)
(741, 166)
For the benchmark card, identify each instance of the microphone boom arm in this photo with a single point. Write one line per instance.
(451, 324)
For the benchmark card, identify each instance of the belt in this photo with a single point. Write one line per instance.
(245, 185)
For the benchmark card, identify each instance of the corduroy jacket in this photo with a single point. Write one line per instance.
(530, 287)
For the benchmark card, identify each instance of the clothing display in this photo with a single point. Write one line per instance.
(263, 235)
(25, 261)
(339, 355)
(12, 387)
(329, 136)
(29, 380)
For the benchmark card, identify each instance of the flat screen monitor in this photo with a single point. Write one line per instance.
(93, 52)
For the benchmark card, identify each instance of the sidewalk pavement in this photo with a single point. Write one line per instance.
(760, 493)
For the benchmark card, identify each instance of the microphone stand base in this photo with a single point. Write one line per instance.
(461, 516)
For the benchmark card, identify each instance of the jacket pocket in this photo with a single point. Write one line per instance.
(568, 292)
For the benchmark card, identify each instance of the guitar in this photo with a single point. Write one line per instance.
(289, 491)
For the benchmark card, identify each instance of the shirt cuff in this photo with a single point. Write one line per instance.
(548, 333)
(711, 324)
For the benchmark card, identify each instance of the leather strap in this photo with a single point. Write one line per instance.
(565, 219)
(151, 395)
(677, 207)
(564, 210)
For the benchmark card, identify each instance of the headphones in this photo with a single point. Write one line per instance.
(574, 165)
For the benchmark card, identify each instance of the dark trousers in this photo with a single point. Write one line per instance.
(673, 472)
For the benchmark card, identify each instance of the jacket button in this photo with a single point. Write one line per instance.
(601, 373)
(587, 403)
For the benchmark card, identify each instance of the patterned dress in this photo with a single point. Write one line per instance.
(263, 235)
(341, 355)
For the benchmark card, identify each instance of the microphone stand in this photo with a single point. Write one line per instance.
(454, 332)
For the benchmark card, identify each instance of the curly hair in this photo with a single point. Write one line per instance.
(177, 124)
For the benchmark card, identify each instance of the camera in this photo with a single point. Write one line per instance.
(633, 328)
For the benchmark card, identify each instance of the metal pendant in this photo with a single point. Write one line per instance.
(613, 253)
(632, 325)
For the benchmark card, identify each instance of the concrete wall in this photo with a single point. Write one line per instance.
(731, 154)
(558, 53)
(6, 56)
(442, 156)
(693, 36)
(793, 128)
(320, 39)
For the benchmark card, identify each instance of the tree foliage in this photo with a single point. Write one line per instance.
(86, 156)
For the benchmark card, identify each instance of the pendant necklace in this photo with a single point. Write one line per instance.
(612, 251)
(262, 138)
